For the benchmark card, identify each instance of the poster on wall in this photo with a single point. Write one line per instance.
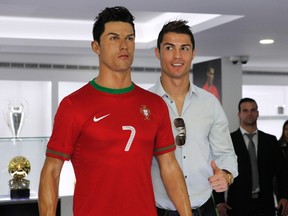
(207, 75)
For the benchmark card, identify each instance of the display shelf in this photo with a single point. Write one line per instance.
(273, 117)
(5, 199)
(23, 207)
(20, 139)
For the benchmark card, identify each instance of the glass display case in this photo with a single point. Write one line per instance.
(35, 100)
(33, 148)
(38, 100)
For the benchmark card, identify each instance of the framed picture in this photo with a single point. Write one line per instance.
(207, 75)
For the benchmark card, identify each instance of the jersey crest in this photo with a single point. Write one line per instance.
(145, 111)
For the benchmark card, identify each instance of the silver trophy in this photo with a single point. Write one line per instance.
(16, 118)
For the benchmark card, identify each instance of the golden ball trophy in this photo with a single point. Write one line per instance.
(19, 167)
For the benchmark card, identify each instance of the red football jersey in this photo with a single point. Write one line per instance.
(110, 137)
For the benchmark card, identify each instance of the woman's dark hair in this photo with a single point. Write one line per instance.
(283, 138)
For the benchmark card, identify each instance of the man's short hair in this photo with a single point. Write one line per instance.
(111, 14)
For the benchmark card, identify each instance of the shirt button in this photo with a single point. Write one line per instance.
(184, 157)
(185, 176)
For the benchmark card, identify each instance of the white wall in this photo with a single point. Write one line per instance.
(270, 91)
(231, 91)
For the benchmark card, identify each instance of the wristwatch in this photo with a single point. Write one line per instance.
(230, 177)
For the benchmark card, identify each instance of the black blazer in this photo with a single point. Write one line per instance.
(270, 165)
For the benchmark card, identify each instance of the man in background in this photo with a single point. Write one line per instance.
(259, 161)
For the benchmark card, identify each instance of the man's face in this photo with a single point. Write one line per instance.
(175, 55)
(286, 132)
(210, 75)
(248, 114)
(117, 46)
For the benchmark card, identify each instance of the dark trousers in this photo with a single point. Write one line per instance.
(254, 208)
(207, 209)
(257, 208)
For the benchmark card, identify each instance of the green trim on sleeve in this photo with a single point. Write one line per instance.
(49, 151)
(164, 149)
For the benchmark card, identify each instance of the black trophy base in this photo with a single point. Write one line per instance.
(19, 193)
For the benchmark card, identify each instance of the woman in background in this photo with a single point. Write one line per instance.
(283, 141)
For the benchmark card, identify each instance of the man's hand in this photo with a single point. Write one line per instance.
(219, 181)
(222, 209)
(283, 205)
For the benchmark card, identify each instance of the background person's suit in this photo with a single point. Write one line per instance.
(270, 164)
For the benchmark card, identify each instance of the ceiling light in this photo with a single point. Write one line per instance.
(266, 41)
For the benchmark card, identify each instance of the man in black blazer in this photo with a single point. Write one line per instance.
(242, 198)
